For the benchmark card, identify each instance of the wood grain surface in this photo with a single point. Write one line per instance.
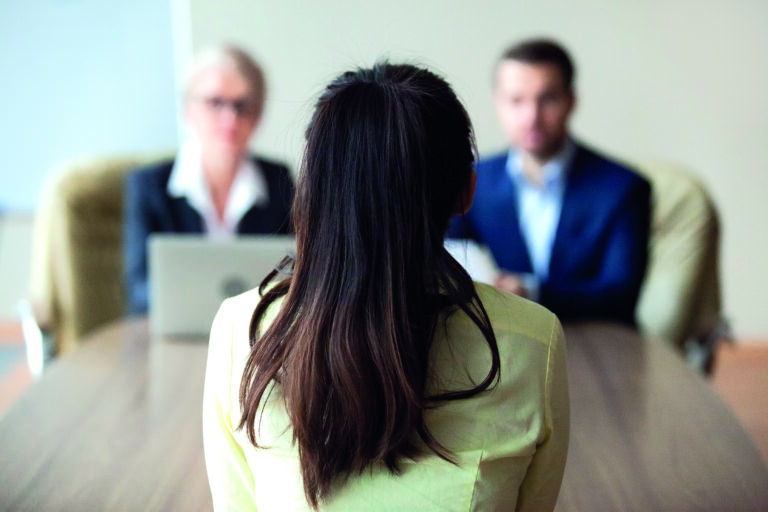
(650, 434)
(116, 426)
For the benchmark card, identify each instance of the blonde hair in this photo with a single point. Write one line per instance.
(232, 57)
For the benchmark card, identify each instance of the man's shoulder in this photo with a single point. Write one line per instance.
(491, 170)
(492, 162)
(595, 165)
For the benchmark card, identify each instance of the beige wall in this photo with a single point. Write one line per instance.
(681, 81)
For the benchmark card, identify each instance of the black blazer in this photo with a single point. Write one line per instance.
(149, 209)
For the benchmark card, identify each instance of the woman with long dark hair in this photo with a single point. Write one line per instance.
(376, 375)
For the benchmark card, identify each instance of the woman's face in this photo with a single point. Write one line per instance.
(221, 114)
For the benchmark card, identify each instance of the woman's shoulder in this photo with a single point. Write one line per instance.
(232, 321)
(246, 301)
(513, 315)
(527, 336)
(271, 167)
(154, 174)
(235, 315)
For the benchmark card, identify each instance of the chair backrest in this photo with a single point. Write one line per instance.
(77, 270)
(680, 299)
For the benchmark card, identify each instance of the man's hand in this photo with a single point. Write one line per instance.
(510, 283)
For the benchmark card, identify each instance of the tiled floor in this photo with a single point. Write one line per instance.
(14, 373)
(741, 378)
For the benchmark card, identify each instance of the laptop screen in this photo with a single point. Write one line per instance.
(191, 274)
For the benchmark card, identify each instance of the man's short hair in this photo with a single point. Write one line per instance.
(543, 51)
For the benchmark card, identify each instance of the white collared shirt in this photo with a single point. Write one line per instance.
(539, 206)
(249, 189)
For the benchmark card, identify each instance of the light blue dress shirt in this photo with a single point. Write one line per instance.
(539, 208)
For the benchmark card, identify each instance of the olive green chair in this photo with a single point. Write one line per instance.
(77, 281)
(681, 299)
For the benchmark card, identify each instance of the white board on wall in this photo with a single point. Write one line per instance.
(80, 78)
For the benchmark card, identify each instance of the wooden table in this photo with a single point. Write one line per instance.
(650, 434)
(116, 426)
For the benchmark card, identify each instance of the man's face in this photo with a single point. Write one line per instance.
(220, 113)
(533, 105)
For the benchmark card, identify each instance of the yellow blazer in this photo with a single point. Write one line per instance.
(511, 442)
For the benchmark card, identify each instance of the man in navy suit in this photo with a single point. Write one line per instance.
(566, 226)
(213, 186)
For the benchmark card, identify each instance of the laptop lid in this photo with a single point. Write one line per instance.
(191, 274)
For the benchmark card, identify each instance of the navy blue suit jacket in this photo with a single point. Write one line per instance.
(149, 209)
(600, 250)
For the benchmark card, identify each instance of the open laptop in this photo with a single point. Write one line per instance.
(190, 275)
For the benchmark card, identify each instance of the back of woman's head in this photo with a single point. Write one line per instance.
(389, 153)
(390, 145)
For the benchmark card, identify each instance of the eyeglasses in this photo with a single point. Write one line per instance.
(240, 107)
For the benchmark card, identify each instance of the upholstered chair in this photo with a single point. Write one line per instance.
(681, 299)
(77, 279)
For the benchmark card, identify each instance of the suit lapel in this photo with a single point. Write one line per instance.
(254, 221)
(517, 243)
(576, 196)
(186, 218)
(510, 247)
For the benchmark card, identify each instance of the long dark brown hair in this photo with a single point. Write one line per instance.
(389, 152)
